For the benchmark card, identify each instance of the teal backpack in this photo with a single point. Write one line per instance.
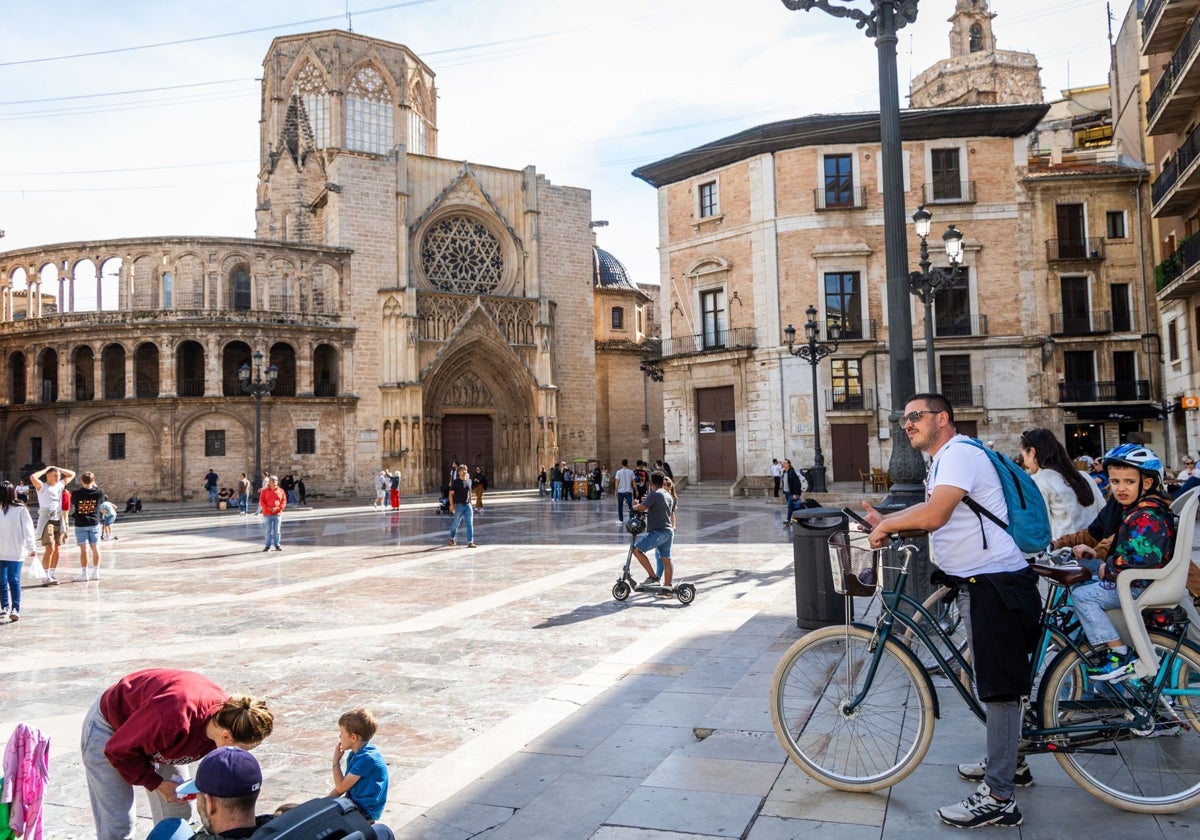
(1028, 520)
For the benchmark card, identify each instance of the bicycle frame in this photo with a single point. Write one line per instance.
(1132, 706)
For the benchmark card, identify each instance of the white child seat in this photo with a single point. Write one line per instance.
(1167, 589)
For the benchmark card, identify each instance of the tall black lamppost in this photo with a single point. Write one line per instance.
(927, 282)
(258, 387)
(881, 19)
(813, 351)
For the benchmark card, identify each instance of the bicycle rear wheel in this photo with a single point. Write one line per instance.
(882, 740)
(1152, 771)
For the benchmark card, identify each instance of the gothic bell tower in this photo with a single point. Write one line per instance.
(971, 28)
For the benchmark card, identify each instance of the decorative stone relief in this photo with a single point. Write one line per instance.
(468, 392)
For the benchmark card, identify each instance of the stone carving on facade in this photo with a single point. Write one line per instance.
(459, 254)
(468, 392)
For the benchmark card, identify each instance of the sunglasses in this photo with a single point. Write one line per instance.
(915, 416)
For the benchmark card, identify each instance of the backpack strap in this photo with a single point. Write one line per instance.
(979, 510)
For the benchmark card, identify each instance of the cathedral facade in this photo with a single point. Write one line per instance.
(416, 310)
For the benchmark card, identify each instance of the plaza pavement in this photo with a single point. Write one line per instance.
(516, 698)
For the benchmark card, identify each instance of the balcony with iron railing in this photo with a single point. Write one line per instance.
(1129, 390)
(951, 326)
(1178, 183)
(1080, 323)
(1177, 277)
(1173, 97)
(853, 398)
(849, 198)
(950, 192)
(1089, 250)
(743, 338)
(963, 395)
(1163, 22)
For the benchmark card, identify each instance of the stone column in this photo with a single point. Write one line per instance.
(212, 367)
(130, 376)
(167, 386)
(97, 372)
(66, 377)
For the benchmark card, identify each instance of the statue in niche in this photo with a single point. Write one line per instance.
(468, 392)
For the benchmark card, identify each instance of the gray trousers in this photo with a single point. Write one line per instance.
(1003, 724)
(111, 796)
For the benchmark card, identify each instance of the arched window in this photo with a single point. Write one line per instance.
(48, 375)
(235, 354)
(241, 289)
(112, 371)
(369, 113)
(189, 369)
(16, 379)
(145, 370)
(85, 373)
(284, 358)
(976, 38)
(313, 92)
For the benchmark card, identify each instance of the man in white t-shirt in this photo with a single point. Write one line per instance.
(776, 474)
(992, 578)
(624, 479)
(50, 529)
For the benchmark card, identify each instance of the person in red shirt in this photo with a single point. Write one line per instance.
(271, 502)
(139, 732)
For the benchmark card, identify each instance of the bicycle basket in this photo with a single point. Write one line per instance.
(857, 568)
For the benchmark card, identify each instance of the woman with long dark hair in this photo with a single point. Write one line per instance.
(1072, 500)
(16, 542)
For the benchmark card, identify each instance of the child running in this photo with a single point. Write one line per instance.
(365, 779)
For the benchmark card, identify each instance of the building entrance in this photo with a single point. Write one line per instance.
(716, 433)
(467, 438)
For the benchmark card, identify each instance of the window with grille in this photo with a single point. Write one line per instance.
(843, 303)
(710, 204)
(214, 443)
(369, 113)
(116, 446)
(306, 441)
(956, 379)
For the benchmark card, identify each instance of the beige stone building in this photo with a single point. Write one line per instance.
(417, 310)
(1049, 322)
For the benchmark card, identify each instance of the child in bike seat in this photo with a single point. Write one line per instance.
(1141, 536)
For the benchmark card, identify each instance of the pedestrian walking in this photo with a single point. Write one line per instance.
(381, 489)
(460, 506)
(394, 489)
(301, 491)
(210, 485)
(776, 475)
(479, 483)
(16, 543)
(271, 502)
(624, 479)
(50, 526)
(542, 481)
(794, 489)
(244, 495)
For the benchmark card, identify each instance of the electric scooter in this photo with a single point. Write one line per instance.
(685, 592)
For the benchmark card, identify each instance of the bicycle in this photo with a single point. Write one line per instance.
(855, 707)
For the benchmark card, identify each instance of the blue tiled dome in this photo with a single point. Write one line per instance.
(608, 271)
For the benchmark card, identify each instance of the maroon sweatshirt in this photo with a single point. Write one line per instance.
(159, 716)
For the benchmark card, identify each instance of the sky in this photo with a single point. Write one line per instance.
(140, 117)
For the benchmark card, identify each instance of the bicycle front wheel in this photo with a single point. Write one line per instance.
(878, 743)
(1154, 770)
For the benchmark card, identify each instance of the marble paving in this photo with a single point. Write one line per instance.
(516, 698)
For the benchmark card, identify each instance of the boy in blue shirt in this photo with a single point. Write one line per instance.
(365, 779)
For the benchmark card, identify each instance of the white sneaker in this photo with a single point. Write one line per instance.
(81, 576)
(94, 573)
(4, 616)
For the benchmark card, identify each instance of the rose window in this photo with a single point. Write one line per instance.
(459, 254)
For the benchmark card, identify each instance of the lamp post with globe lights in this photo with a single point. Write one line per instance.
(258, 386)
(930, 280)
(813, 351)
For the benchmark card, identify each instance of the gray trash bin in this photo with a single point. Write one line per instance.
(817, 605)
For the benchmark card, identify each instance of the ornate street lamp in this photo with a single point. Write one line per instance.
(813, 351)
(927, 282)
(258, 387)
(881, 19)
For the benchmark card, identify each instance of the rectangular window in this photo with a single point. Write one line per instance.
(306, 441)
(35, 450)
(847, 384)
(839, 181)
(712, 308)
(1076, 308)
(843, 302)
(167, 296)
(618, 318)
(956, 379)
(1114, 224)
(1125, 375)
(214, 443)
(945, 174)
(1122, 312)
(709, 201)
(1172, 342)
(1196, 328)
(1079, 376)
(952, 308)
(1072, 232)
(116, 446)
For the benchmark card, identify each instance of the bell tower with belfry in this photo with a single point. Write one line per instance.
(976, 73)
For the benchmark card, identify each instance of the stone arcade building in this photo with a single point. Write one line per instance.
(418, 309)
